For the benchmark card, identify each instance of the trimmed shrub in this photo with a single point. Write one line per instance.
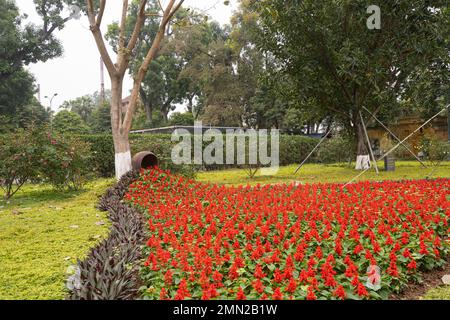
(102, 154)
(336, 150)
(67, 122)
(293, 149)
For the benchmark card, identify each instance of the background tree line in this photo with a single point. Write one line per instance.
(305, 65)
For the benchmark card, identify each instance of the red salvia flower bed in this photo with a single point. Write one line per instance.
(317, 241)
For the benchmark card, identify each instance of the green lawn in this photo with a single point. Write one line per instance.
(440, 293)
(311, 173)
(42, 233)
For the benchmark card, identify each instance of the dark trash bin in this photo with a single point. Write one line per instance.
(389, 163)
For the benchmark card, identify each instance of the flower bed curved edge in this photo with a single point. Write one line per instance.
(111, 269)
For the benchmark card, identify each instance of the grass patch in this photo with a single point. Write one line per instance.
(313, 173)
(42, 232)
(439, 293)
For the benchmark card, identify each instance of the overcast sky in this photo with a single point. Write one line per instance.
(77, 72)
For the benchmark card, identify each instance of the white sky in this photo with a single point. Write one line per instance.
(77, 72)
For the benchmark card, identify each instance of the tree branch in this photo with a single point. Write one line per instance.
(135, 36)
(171, 14)
(123, 23)
(160, 5)
(98, 37)
(47, 33)
(100, 13)
(168, 14)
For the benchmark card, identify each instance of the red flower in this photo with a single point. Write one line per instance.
(182, 291)
(303, 277)
(258, 286)
(233, 272)
(340, 293)
(278, 276)
(292, 285)
(358, 249)
(412, 264)
(163, 294)
(259, 274)
(361, 290)
(240, 294)
(407, 253)
(277, 294)
(217, 276)
(168, 278)
(310, 295)
(393, 270)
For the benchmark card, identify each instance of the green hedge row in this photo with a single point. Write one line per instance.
(293, 149)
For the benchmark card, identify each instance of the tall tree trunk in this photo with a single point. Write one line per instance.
(148, 107)
(362, 153)
(165, 114)
(120, 136)
(121, 123)
(166, 109)
(190, 104)
(149, 112)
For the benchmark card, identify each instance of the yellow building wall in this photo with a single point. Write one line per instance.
(436, 129)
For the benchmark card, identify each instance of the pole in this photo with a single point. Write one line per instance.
(39, 92)
(396, 138)
(102, 81)
(448, 122)
(368, 143)
(315, 148)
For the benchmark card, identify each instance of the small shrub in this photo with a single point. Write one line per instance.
(65, 162)
(19, 159)
(67, 122)
(294, 149)
(434, 150)
(102, 154)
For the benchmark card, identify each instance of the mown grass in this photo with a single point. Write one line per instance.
(439, 293)
(313, 173)
(42, 233)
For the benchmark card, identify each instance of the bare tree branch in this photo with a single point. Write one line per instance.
(98, 37)
(100, 13)
(168, 14)
(135, 36)
(174, 11)
(160, 5)
(123, 23)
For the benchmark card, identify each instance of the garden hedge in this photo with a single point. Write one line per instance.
(293, 149)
